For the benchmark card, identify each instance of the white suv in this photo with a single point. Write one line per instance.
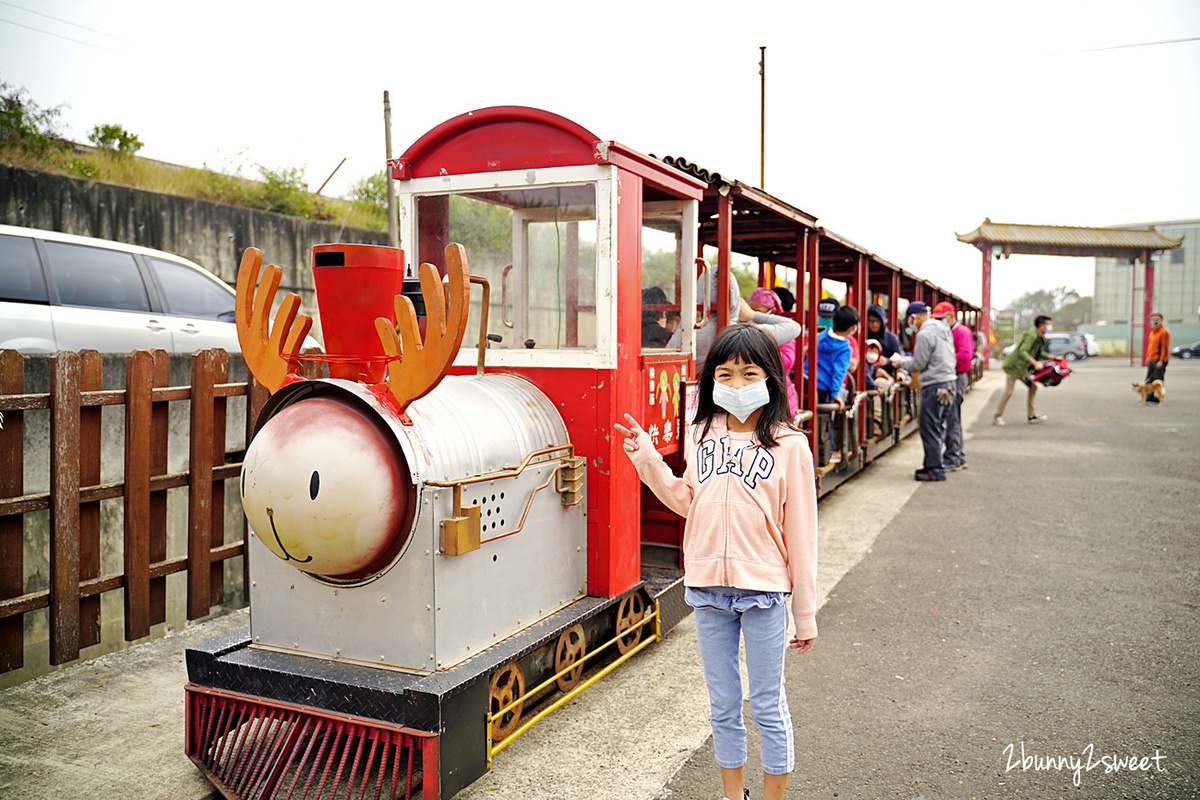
(63, 292)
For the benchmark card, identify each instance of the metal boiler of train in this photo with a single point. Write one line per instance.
(406, 540)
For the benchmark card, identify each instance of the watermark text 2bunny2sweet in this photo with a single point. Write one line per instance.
(1079, 763)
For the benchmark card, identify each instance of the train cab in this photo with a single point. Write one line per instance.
(589, 251)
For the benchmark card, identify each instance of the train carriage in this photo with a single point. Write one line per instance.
(447, 540)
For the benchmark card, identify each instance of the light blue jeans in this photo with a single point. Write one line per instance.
(724, 615)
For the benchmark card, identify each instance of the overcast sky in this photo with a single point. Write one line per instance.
(896, 124)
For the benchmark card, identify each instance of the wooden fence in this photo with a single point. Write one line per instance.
(76, 491)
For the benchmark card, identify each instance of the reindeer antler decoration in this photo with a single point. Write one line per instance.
(264, 353)
(423, 364)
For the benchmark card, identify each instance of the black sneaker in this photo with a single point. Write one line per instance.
(930, 475)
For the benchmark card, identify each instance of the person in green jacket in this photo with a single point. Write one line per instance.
(1028, 353)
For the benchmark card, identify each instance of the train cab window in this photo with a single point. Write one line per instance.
(536, 247)
(668, 256)
(662, 278)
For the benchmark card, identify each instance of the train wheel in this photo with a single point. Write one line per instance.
(570, 650)
(629, 613)
(508, 685)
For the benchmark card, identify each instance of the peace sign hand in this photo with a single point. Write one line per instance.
(631, 434)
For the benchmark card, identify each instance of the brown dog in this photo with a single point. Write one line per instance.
(1152, 388)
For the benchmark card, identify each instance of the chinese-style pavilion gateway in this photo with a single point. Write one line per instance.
(1004, 239)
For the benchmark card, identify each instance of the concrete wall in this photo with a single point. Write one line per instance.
(214, 235)
(36, 556)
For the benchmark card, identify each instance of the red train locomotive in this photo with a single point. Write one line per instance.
(447, 542)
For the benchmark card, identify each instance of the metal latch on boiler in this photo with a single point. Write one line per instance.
(460, 533)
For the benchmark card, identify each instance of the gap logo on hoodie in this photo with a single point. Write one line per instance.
(730, 462)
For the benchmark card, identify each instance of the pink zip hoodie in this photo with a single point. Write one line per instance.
(751, 513)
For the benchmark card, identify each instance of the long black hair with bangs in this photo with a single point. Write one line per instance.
(744, 342)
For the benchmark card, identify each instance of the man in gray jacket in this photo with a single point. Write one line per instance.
(933, 359)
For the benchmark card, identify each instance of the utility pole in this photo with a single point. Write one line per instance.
(762, 120)
(393, 229)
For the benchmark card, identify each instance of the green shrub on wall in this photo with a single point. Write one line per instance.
(26, 125)
(285, 192)
(83, 168)
(115, 138)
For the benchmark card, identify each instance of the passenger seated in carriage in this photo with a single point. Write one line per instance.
(655, 333)
(880, 378)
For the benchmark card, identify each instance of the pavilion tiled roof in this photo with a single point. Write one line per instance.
(1060, 240)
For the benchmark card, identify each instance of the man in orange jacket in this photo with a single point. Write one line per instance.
(1157, 352)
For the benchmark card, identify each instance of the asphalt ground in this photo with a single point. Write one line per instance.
(1016, 630)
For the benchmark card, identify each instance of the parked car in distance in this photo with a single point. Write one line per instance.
(1186, 350)
(64, 292)
(1071, 345)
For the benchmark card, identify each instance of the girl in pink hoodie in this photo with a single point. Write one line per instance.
(750, 540)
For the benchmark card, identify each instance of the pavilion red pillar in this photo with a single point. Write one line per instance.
(985, 321)
(1132, 305)
(1147, 303)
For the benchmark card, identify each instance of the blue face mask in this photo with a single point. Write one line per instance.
(741, 402)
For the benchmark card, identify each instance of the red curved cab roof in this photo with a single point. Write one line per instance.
(497, 139)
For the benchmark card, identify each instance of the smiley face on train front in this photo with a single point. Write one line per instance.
(326, 489)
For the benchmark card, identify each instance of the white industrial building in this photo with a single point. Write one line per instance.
(1120, 291)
